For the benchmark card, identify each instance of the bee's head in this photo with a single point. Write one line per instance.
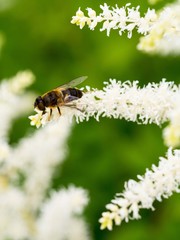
(39, 103)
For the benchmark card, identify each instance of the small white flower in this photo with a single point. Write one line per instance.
(91, 13)
(106, 221)
(134, 210)
(80, 20)
(36, 119)
(107, 13)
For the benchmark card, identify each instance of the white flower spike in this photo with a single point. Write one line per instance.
(160, 182)
(160, 30)
(123, 19)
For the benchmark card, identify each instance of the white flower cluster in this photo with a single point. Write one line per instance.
(149, 104)
(171, 133)
(26, 172)
(164, 35)
(161, 29)
(14, 102)
(158, 183)
(154, 103)
(38, 159)
(66, 223)
(123, 19)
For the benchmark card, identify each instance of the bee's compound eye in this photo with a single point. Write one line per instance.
(37, 101)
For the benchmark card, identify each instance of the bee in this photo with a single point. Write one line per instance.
(60, 96)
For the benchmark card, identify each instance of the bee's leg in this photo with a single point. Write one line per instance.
(78, 109)
(59, 111)
(50, 114)
(68, 99)
(74, 106)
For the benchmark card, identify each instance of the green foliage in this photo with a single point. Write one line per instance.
(37, 35)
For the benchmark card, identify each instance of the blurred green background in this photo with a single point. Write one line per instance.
(38, 35)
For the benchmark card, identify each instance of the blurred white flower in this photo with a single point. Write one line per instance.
(164, 35)
(171, 133)
(59, 218)
(14, 102)
(26, 172)
(154, 1)
(37, 156)
(4, 150)
(160, 182)
(13, 207)
(20, 81)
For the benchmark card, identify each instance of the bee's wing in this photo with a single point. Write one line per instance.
(73, 83)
